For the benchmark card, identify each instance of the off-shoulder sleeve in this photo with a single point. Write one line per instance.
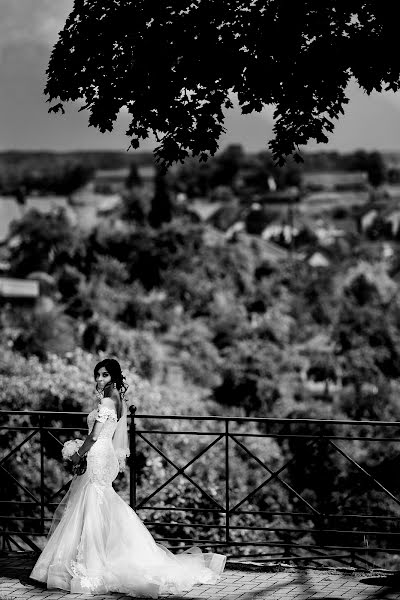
(104, 413)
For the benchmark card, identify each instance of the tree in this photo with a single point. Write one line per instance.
(250, 377)
(366, 343)
(161, 204)
(43, 242)
(43, 333)
(372, 163)
(174, 65)
(135, 205)
(133, 178)
(227, 165)
(71, 179)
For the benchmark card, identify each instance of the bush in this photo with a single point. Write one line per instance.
(45, 333)
(65, 383)
(44, 242)
(139, 349)
(250, 377)
(193, 350)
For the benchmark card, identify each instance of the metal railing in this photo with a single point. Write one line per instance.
(339, 479)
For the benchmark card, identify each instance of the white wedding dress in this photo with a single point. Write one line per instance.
(97, 544)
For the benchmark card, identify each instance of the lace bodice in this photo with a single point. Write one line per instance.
(102, 461)
(105, 415)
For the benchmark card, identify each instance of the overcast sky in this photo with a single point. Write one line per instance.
(29, 28)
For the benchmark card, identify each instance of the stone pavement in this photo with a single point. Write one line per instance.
(238, 581)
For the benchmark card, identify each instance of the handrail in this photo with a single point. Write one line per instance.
(217, 418)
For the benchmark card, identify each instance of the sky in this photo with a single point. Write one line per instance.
(28, 30)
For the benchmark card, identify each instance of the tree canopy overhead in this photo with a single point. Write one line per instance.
(174, 63)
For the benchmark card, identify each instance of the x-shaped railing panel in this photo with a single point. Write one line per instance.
(274, 475)
(181, 471)
(14, 450)
(364, 472)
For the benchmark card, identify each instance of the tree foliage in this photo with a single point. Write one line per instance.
(43, 241)
(175, 64)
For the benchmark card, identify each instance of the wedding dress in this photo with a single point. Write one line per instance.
(97, 543)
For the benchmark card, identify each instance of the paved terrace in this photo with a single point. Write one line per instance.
(244, 581)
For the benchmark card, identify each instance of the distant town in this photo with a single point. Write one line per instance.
(233, 191)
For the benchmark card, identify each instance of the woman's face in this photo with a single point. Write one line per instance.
(102, 378)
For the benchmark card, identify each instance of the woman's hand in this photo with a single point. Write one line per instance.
(75, 458)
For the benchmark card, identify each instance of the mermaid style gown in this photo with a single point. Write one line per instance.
(97, 544)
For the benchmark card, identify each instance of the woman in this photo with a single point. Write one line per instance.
(96, 543)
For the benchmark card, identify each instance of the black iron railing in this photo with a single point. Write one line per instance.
(325, 490)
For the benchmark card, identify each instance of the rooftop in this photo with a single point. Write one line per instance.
(121, 173)
(18, 288)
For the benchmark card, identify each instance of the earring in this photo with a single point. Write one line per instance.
(115, 385)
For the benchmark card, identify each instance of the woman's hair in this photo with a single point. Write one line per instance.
(112, 366)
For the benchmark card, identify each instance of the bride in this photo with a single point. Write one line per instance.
(96, 543)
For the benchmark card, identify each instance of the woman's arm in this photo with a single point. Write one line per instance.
(87, 444)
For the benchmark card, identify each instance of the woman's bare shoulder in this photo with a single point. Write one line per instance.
(108, 402)
(112, 393)
(115, 394)
(114, 398)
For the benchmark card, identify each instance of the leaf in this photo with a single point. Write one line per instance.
(56, 108)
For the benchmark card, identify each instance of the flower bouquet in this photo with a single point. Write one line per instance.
(69, 448)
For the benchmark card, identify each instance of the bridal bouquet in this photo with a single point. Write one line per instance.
(69, 448)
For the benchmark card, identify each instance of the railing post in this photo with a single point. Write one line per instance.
(322, 497)
(132, 448)
(41, 473)
(320, 518)
(227, 514)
